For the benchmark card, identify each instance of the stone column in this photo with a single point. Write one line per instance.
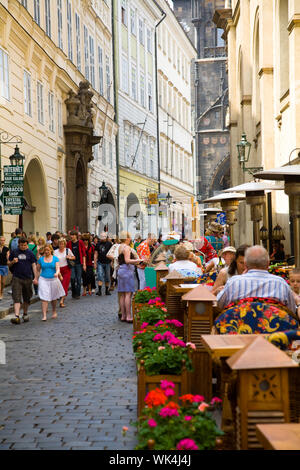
(79, 140)
(292, 189)
(256, 200)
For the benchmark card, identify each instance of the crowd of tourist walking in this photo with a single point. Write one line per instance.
(96, 265)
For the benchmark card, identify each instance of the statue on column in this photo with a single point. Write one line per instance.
(80, 106)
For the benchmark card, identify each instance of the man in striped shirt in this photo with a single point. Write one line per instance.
(257, 282)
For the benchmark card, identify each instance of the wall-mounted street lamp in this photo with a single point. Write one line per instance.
(277, 233)
(16, 158)
(169, 199)
(103, 191)
(244, 148)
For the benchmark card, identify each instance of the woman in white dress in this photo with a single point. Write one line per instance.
(50, 288)
(64, 254)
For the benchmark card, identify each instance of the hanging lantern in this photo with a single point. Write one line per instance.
(263, 233)
(277, 233)
(243, 148)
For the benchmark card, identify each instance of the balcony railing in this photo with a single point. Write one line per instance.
(213, 52)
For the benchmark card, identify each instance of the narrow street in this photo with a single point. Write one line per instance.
(68, 383)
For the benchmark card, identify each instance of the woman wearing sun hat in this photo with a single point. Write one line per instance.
(227, 256)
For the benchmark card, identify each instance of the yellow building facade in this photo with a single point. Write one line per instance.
(46, 50)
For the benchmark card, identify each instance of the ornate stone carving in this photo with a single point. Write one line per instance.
(80, 106)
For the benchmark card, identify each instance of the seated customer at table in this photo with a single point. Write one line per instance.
(236, 267)
(182, 263)
(257, 301)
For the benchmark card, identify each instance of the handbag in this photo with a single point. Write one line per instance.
(71, 262)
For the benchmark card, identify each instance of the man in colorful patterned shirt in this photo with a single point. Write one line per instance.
(143, 251)
(257, 282)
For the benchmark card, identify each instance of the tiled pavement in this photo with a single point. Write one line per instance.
(68, 383)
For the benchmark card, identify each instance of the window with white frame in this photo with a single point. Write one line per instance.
(59, 24)
(100, 70)
(59, 119)
(150, 97)
(92, 61)
(110, 155)
(133, 82)
(149, 40)
(136, 150)
(48, 18)
(27, 93)
(36, 13)
(133, 21)
(60, 204)
(152, 159)
(124, 12)
(51, 110)
(69, 26)
(96, 151)
(4, 75)
(103, 152)
(78, 42)
(40, 102)
(86, 53)
(141, 32)
(144, 157)
(108, 79)
(125, 75)
(127, 145)
(142, 89)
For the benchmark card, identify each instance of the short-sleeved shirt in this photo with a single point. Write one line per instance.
(48, 269)
(103, 248)
(62, 256)
(23, 268)
(3, 256)
(75, 250)
(143, 250)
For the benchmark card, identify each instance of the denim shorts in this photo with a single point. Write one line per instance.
(103, 272)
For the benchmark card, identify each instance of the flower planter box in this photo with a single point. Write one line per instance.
(145, 383)
(135, 308)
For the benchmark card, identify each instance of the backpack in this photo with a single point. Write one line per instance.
(14, 244)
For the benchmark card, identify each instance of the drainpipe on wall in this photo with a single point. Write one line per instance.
(156, 87)
(115, 55)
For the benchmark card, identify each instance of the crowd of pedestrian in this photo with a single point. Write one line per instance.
(80, 260)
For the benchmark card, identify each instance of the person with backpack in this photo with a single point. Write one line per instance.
(78, 249)
(15, 241)
(102, 263)
(22, 264)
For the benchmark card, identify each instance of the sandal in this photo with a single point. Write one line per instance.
(62, 305)
(54, 316)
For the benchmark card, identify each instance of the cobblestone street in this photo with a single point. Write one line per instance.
(68, 383)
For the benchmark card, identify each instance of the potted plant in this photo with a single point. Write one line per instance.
(167, 425)
(150, 314)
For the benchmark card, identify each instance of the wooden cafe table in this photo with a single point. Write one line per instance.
(285, 436)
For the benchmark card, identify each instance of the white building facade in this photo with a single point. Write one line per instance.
(135, 22)
(175, 54)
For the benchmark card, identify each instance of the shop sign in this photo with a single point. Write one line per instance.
(152, 198)
(13, 189)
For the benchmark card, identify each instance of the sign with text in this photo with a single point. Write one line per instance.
(13, 189)
(152, 198)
